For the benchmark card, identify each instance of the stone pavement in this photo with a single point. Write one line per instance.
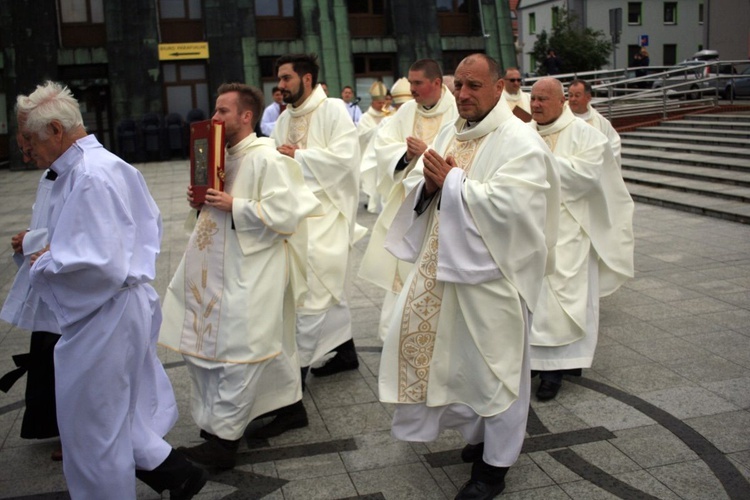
(663, 413)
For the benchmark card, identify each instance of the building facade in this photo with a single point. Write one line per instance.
(671, 31)
(124, 59)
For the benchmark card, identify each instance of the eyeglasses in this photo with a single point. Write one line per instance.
(513, 80)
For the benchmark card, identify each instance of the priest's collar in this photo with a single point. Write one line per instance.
(310, 104)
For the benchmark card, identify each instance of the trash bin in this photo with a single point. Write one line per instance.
(176, 132)
(127, 140)
(195, 115)
(151, 128)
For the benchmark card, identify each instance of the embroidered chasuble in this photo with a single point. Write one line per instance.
(594, 248)
(204, 276)
(378, 266)
(421, 314)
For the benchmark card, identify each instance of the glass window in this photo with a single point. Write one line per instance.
(376, 7)
(274, 8)
(445, 5)
(670, 54)
(700, 13)
(193, 72)
(555, 16)
(532, 23)
(82, 11)
(670, 12)
(180, 9)
(634, 13)
(172, 9)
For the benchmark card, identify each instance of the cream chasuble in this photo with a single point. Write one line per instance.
(227, 299)
(595, 222)
(596, 120)
(459, 332)
(329, 155)
(421, 312)
(379, 266)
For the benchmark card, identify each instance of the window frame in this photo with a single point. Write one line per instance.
(670, 7)
(638, 22)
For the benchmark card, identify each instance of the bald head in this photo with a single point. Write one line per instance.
(547, 99)
(477, 87)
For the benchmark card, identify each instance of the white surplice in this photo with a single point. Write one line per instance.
(329, 155)
(389, 146)
(23, 307)
(594, 248)
(114, 400)
(230, 306)
(456, 352)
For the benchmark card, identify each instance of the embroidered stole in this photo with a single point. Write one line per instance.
(204, 275)
(419, 319)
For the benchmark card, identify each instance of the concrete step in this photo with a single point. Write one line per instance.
(686, 185)
(738, 116)
(699, 164)
(676, 171)
(692, 202)
(681, 137)
(675, 128)
(736, 152)
(723, 124)
(686, 158)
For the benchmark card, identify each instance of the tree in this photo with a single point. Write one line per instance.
(579, 49)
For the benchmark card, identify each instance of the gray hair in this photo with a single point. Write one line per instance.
(49, 102)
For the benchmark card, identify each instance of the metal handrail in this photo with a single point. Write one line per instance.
(618, 93)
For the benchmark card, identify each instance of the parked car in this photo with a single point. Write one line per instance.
(694, 73)
(738, 86)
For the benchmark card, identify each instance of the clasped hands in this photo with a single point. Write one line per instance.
(436, 169)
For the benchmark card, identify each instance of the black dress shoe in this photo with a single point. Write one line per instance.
(472, 452)
(547, 390)
(214, 453)
(479, 490)
(287, 418)
(191, 486)
(345, 359)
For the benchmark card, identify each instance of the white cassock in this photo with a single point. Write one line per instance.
(23, 307)
(270, 115)
(596, 120)
(366, 130)
(329, 155)
(230, 306)
(594, 246)
(520, 99)
(456, 353)
(389, 146)
(114, 400)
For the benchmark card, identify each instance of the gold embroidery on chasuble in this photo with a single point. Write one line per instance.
(551, 140)
(204, 277)
(426, 127)
(297, 133)
(419, 320)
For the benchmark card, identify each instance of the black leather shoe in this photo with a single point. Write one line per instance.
(191, 486)
(212, 454)
(345, 359)
(472, 452)
(479, 490)
(287, 418)
(547, 390)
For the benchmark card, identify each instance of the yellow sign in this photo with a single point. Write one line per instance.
(191, 50)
